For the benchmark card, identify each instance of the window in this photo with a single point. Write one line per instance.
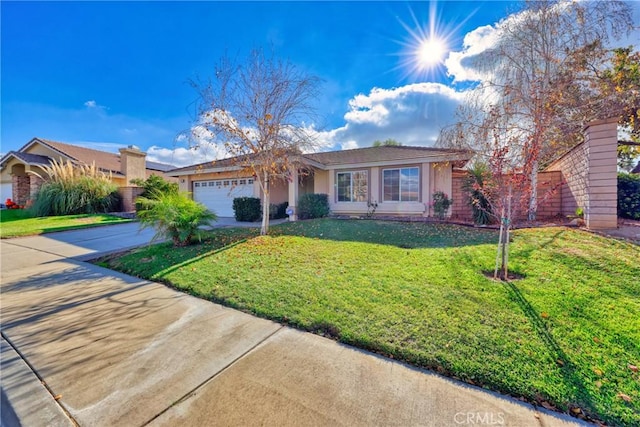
(196, 184)
(353, 186)
(225, 183)
(401, 185)
(211, 183)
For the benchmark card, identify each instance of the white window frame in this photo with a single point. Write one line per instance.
(352, 195)
(399, 185)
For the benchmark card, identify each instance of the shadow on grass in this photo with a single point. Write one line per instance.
(566, 367)
(405, 235)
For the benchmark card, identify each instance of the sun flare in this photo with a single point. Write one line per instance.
(431, 52)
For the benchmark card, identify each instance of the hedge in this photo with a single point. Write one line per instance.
(247, 209)
(313, 206)
(629, 196)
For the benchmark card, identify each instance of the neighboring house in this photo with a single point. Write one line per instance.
(400, 179)
(18, 169)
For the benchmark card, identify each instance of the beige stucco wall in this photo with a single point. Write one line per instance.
(44, 151)
(132, 164)
(375, 189)
(321, 182)
(278, 192)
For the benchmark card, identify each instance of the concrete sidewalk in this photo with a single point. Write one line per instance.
(116, 350)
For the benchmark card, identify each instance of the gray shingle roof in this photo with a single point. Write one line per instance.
(31, 159)
(355, 156)
(380, 154)
(105, 161)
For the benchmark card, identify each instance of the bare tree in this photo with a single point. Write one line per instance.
(257, 109)
(535, 84)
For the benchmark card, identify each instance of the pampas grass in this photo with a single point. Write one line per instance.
(70, 189)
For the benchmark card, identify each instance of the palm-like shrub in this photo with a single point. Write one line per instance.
(70, 189)
(474, 184)
(175, 216)
(154, 186)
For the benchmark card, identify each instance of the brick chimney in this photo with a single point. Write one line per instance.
(133, 163)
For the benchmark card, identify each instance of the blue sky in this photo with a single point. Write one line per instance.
(108, 74)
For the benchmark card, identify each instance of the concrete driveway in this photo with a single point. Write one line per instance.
(83, 345)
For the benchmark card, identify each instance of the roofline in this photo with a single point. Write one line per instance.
(434, 155)
(195, 171)
(42, 141)
(422, 159)
(309, 162)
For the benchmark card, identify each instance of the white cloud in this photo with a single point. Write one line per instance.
(461, 65)
(464, 66)
(93, 105)
(349, 145)
(412, 115)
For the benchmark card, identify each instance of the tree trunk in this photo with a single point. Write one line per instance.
(533, 197)
(500, 247)
(264, 229)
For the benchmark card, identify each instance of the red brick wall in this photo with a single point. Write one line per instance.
(21, 189)
(460, 210)
(549, 196)
(35, 182)
(129, 196)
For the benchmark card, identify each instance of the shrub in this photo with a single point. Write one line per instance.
(474, 185)
(247, 209)
(629, 196)
(278, 211)
(75, 189)
(441, 203)
(313, 206)
(175, 216)
(153, 187)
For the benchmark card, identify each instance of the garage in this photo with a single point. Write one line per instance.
(6, 191)
(217, 195)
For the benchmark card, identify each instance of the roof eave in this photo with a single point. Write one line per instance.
(195, 171)
(445, 157)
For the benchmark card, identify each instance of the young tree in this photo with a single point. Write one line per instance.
(534, 83)
(257, 109)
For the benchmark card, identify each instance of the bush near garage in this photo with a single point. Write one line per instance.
(247, 209)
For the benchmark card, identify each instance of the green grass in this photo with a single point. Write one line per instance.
(566, 335)
(18, 222)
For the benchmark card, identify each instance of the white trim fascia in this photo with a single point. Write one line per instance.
(420, 160)
(308, 162)
(203, 171)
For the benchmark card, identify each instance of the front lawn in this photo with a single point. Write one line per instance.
(566, 335)
(18, 222)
